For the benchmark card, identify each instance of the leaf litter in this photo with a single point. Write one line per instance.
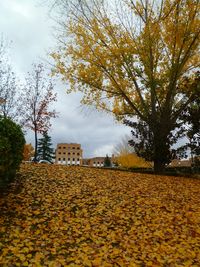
(76, 216)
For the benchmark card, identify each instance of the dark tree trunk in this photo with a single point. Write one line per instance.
(159, 166)
(161, 148)
(36, 144)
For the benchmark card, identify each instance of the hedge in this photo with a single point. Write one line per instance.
(11, 149)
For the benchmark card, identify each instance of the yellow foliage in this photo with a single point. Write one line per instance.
(99, 218)
(28, 152)
(132, 160)
(119, 66)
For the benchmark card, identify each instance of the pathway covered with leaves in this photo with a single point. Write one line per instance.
(72, 216)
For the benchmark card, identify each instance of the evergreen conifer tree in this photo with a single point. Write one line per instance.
(45, 150)
(107, 162)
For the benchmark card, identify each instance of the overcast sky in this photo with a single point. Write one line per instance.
(27, 24)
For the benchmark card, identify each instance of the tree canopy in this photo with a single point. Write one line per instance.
(10, 95)
(132, 58)
(38, 97)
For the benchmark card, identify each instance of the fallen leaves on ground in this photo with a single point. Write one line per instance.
(73, 216)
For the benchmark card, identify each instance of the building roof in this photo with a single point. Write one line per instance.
(97, 158)
(68, 144)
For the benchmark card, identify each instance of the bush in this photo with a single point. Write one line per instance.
(131, 160)
(11, 149)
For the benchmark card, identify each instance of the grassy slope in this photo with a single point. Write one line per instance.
(72, 216)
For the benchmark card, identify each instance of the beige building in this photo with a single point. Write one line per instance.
(97, 161)
(180, 163)
(69, 154)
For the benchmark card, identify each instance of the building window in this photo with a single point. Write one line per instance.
(73, 159)
(73, 147)
(59, 152)
(73, 153)
(64, 147)
(69, 159)
(59, 159)
(69, 153)
(64, 153)
(64, 159)
(78, 154)
(59, 147)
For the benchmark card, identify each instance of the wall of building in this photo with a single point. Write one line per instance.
(69, 154)
(180, 163)
(97, 161)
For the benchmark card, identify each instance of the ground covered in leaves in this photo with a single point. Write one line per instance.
(72, 216)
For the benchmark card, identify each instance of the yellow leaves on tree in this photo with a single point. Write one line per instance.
(126, 157)
(28, 152)
(110, 54)
(132, 160)
(131, 58)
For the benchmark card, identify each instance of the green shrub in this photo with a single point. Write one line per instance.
(11, 149)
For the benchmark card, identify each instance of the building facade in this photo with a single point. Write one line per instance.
(97, 161)
(181, 163)
(69, 154)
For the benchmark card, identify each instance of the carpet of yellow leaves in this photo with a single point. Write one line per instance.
(73, 216)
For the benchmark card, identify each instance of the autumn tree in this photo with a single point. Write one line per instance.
(45, 150)
(128, 155)
(38, 96)
(10, 100)
(28, 152)
(132, 161)
(131, 58)
(123, 146)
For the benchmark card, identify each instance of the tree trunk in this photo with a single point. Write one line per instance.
(159, 166)
(36, 144)
(161, 149)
